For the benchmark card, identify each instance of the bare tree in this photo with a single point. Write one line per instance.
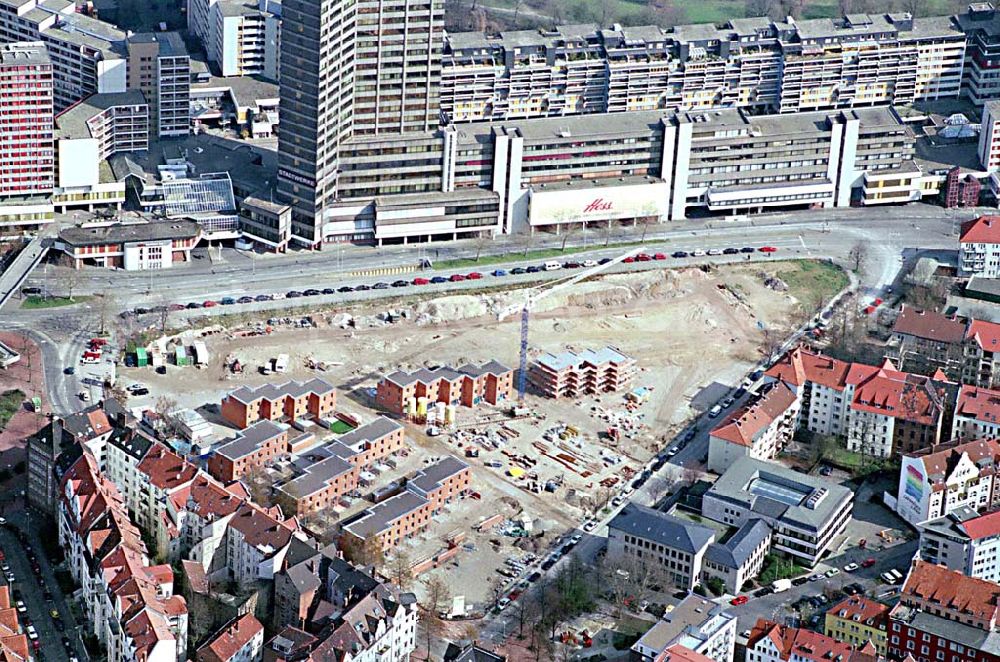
(757, 8)
(105, 310)
(400, 570)
(436, 599)
(567, 232)
(71, 278)
(482, 240)
(858, 256)
(165, 406)
(914, 7)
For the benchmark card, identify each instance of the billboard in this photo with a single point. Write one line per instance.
(552, 205)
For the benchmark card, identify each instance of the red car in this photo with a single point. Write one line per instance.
(209, 304)
(643, 257)
(768, 249)
(456, 277)
(475, 275)
(629, 260)
(867, 563)
(739, 600)
(659, 256)
(98, 342)
(420, 281)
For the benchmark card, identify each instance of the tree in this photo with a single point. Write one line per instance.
(715, 585)
(436, 600)
(71, 279)
(105, 310)
(400, 570)
(757, 8)
(567, 232)
(858, 256)
(632, 579)
(165, 407)
(482, 239)
(914, 7)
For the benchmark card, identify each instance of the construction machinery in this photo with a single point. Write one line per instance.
(536, 294)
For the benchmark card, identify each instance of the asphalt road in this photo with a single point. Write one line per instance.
(31, 589)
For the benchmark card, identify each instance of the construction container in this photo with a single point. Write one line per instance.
(449, 414)
(422, 407)
(180, 356)
(141, 358)
(411, 406)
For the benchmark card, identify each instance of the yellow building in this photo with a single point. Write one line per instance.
(857, 620)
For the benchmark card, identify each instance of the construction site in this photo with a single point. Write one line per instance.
(539, 467)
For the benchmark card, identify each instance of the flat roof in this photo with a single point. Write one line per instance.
(772, 490)
(250, 439)
(117, 233)
(245, 90)
(431, 478)
(72, 122)
(30, 52)
(566, 360)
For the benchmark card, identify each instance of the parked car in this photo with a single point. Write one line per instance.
(832, 572)
(362, 288)
(730, 251)
(517, 271)
(345, 288)
(643, 257)
(867, 563)
(294, 294)
(590, 263)
(69, 370)
(421, 281)
(227, 301)
(262, 297)
(455, 278)
(768, 249)
(499, 273)
(572, 265)
(714, 251)
(209, 304)
(679, 254)
(604, 260)
(437, 280)
(175, 307)
(748, 249)
(329, 290)
(533, 269)
(698, 253)
(381, 285)
(312, 292)
(850, 567)
(739, 600)
(400, 283)
(474, 275)
(659, 256)
(245, 299)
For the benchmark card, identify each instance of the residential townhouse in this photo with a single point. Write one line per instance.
(695, 624)
(13, 643)
(133, 610)
(770, 642)
(758, 429)
(252, 448)
(390, 522)
(806, 514)
(239, 640)
(963, 541)
(982, 338)
(315, 399)
(468, 385)
(942, 614)
(322, 476)
(857, 620)
(979, 247)
(256, 543)
(638, 535)
(939, 480)
(977, 414)
(572, 374)
(741, 557)
(441, 482)
(877, 410)
(326, 607)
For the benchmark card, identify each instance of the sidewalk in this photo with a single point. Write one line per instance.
(14, 275)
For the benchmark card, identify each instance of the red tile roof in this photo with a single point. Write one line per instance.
(861, 610)
(166, 470)
(800, 365)
(896, 395)
(982, 230)
(260, 529)
(938, 464)
(930, 325)
(951, 591)
(981, 404)
(804, 644)
(986, 334)
(743, 425)
(982, 526)
(233, 636)
(678, 653)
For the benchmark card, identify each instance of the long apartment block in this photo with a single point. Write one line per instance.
(571, 374)
(467, 385)
(770, 66)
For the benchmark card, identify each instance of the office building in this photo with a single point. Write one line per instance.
(27, 147)
(806, 514)
(741, 557)
(132, 246)
(639, 535)
(963, 541)
(989, 137)
(695, 624)
(159, 67)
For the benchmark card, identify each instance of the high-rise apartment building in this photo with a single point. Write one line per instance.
(85, 52)
(27, 157)
(159, 67)
(356, 79)
(241, 37)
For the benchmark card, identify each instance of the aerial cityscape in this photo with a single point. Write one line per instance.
(499, 330)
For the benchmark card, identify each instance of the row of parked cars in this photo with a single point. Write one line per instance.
(454, 278)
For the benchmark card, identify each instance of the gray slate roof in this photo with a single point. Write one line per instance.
(737, 550)
(661, 528)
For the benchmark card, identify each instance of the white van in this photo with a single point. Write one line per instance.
(552, 266)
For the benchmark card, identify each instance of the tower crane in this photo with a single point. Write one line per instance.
(536, 294)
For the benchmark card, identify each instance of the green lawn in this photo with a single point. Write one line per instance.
(341, 427)
(10, 403)
(814, 280)
(776, 567)
(51, 302)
